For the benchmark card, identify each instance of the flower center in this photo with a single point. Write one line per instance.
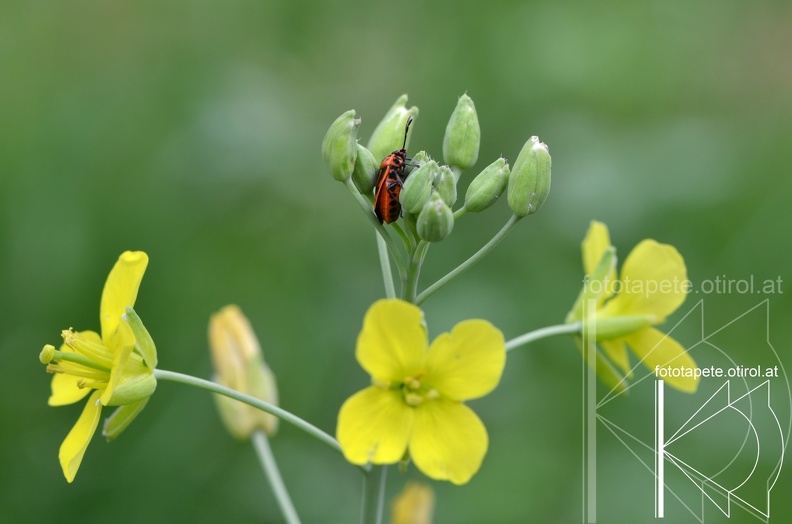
(84, 357)
(415, 392)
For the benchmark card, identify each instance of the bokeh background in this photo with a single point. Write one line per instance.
(192, 130)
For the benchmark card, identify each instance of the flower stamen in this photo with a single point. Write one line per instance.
(95, 351)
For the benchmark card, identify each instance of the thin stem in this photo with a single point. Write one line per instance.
(387, 275)
(411, 284)
(459, 213)
(550, 331)
(469, 262)
(365, 205)
(374, 495)
(282, 414)
(270, 467)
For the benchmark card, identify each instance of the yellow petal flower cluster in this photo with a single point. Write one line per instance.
(652, 285)
(415, 404)
(116, 368)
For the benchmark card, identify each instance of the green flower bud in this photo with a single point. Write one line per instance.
(445, 183)
(366, 168)
(420, 158)
(463, 135)
(339, 147)
(436, 220)
(239, 364)
(529, 181)
(418, 187)
(487, 186)
(389, 134)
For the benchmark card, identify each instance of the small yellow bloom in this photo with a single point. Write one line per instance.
(116, 368)
(239, 364)
(652, 286)
(414, 505)
(415, 402)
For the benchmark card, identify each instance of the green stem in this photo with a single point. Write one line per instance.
(374, 495)
(267, 459)
(387, 275)
(282, 414)
(365, 205)
(550, 331)
(416, 261)
(459, 213)
(469, 262)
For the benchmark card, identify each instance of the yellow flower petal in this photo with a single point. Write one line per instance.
(595, 243)
(653, 282)
(374, 426)
(73, 448)
(617, 353)
(656, 349)
(65, 390)
(449, 441)
(468, 362)
(393, 342)
(120, 291)
(63, 385)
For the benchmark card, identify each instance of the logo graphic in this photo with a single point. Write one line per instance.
(714, 456)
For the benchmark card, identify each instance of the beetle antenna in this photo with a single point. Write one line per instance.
(409, 121)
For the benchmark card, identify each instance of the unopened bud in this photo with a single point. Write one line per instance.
(339, 147)
(239, 364)
(487, 186)
(463, 135)
(414, 505)
(389, 134)
(445, 183)
(365, 173)
(529, 181)
(418, 187)
(436, 220)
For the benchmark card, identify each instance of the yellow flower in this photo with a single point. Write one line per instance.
(116, 368)
(415, 402)
(652, 286)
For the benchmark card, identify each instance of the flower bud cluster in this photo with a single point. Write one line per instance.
(427, 189)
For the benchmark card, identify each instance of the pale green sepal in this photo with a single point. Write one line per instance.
(487, 186)
(389, 134)
(137, 387)
(418, 187)
(605, 371)
(143, 341)
(436, 221)
(445, 183)
(616, 327)
(595, 286)
(339, 147)
(365, 173)
(122, 417)
(462, 135)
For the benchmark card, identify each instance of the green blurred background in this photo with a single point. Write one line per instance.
(192, 130)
